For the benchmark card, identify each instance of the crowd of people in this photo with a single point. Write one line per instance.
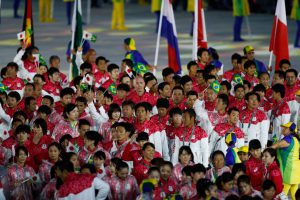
(117, 132)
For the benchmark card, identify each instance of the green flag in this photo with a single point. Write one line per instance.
(238, 79)
(76, 35)
(112, 89)
(140, 69)
(215, 86)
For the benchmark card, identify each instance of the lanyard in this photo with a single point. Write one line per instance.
(184, 134)
(244, 116)
(119, 149)
(229, 130)
(275, 110)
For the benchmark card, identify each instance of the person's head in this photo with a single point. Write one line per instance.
(148, 151)
(202, 55)
(124, 131)
(114, 112)
(192, 67)
(233, 115)
(99, 159)
(200, 77)
(284, 65)
(291, 77)
(54, 61)
(22, 133)
(198, 172)
(54, 150)
(91, 139)
(260, 89)
(269, 156)
(48, 101)
(83, 127)
(128, 108)
(66, 95)
(15, 123)
(101, 63)
(40, 127)
(289, 128)
(278, 77)
(71, 112)
(206, 189)
(236, 61)
(244, 185)
(297, 195)
(186, 83)
(162, 107)
(142, 111)
(85, 68)
(218, 159)
(122, 170)
(21, 154)
(186, 174)
(252, 100)
(278, 91)
(122, 90)
(53, 74)
(20, 115)
(88, 169)
(150, 81)
(29, 89)
(142, 139)
(125, 79)
(63, 168)
(166, 170)
(211, 70)
(247, 86)
(185, 155)
(64, 141)
(73, 158)
(222, 102)
(225, 182)
(113, 164)
(12, 69)
(255, 148)
(268, 189)
(249, 67)
(239, 91)
(168, 74)
(164, 90)
(249, 52)
(30, 104)
(210, 94)
(13, 98)
(139, 84)
(154, 173)
(191, 96)
(243, 153)
(81, 104)
(177, 94)
(189, 117)
(264, 78)
(113, 71)
(225, 87)
(175, 115)
(238, 169)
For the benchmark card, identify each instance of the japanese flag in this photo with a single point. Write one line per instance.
(21, 35)
(129, 71)
(72, 148)
(89, 36)
(36, 58)
(88, 79)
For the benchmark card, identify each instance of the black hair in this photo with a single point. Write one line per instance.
(83, 122)
(67, 109)
(149, 77)
(190, 64)
(111, 67)
(167, 163)
(280, 74)
(243, 179)
(14, 94)
(49, 98)
(224, 178)
(273, 153)
(191, 112)
(284, 61)
(215, 153)
(295, 72)
(238, 86)
(175, 111)
(22, 128)
(249, 94)
(121, 165)
(232, 109)
(192, 93)
(148, 144)
(249, 63)
(238, 167)
(28, 100)
(82, 100)
(158, 162)
(100, 154)
(66, 91)
(161, 86)
(145, 105)
(167, 71)
(259, 88)
(185, 79)
(153, 169)
(128, 62)
(64, 165)
(237, 57)
(187, 170)
(123, 87)
(226, 84)
(198, 168)
(224, 98)
(30, 84)
(178, 88)
(142, 136)
(263, 73)
(90, 167)
(232, 197)
(202, 186)
(208, 76)
(127, 126)
(116, 160)
(177, 80)
(77, 80)
(113, 108)
(100, 58)
(40, 76)
(21, 148)
(3, 72)
(53, 57)
(297, 195)
(20, 113)
(86, 65)
(94, 136)
(245, 82)
(13, 64)
(200, 51)
(209, 68)
(39, 122)
(65, 137)
(254, 144)
(128, 103)
(55, 144)
(279, 88)
(268, 184)
(162, 103)
(52, 71)
(188, 150)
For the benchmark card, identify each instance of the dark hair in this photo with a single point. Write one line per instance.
(100, 154)
(208, 76)
(41, 123)
(198, 168)
(145, 105)
(190, 64)
(167, 71)
(49, 98)
(243, 179)
(65, 137)
(161, 86)
(176, 78)
(53, 57)
(30, 84)
(167, 163)
(22, 128)
(192, 93)
(280, 74)
(127, 126)
(247, 83)
(21, 148)
(224, 99)
(83, 122)
(94, 136)
(20, 113)
(13, 64)
(200, 51)
(238, 86)
(215, 153)
(249, 63)
(121, 165)
(284, 61)
(86, 65)
(123, 87)
(226, 84)
(158, 162)
(14, 94)
(82, 100)
(66, 91)
(249, 94)
(263, 73)
(116, 160)
(232, 197)
(202, 186)
(191, 112)
(153, 169)
(224, 178)
(254, 144)
(268, 184)
(188, 150)
(148, 144)
(90, 167)
(178, 88)
(237, 57)
(148, 78)
(28, 100)
(295, 72)
(128, 62)
(187, 170)
(113, 108)
(238, 167)
(111, 67)
(162, 103)
(259, 88)
(273, 153)
(209, 68)
(279, 88)
(44, 109)
(64, 165)
(52, 71)
(55, 144)
(128, 103)
(68, 108)
(185, 79)
(101, 58)
(142, 136)
(175, 111)
(297, 195)
(232, 109)
(40, 76)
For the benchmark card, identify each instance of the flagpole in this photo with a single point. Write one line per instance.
(248, 27)
(88, 12)
(159, 33)
(195, 31)
(0, 9)
(72, 41)
(270, 61)
(52, 9)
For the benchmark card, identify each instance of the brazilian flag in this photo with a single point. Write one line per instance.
(238, 79)
(215, 86)
(112, 89)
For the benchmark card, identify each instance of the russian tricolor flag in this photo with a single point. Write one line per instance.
(167, 29)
